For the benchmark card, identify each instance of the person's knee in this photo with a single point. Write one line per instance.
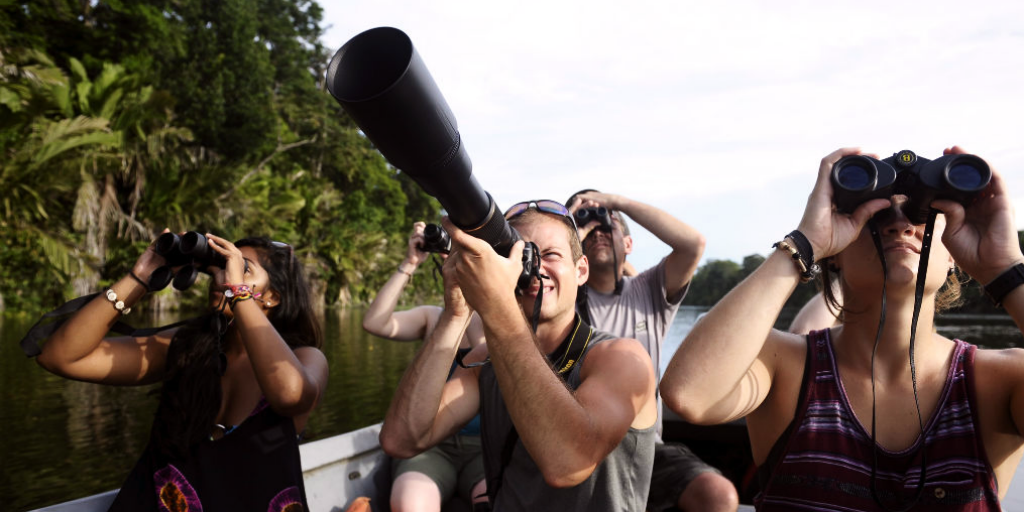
(415, 492)
(711, 492)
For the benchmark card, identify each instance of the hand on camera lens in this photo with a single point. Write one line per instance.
(487, 279)
(828, 230)
(981, 237)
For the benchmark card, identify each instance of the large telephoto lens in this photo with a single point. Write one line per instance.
(383, 84)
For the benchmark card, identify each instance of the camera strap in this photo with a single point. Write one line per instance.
(562, 360)
(50, 322)
(922, 274)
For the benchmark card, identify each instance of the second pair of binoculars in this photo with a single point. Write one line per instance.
(191, 252)
(601, 214)
(860, 178)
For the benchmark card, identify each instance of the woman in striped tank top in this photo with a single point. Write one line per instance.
(809, 401)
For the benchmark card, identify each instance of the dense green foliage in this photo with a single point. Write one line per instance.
(118, 119)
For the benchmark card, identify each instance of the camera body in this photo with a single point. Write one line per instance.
(191, 252)
(859, 178)
(436, 239)
(600, 214)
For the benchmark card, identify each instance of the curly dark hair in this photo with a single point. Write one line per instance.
(191, 392)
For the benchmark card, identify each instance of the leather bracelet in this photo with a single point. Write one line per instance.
(1001, 286)
(139, 279)
(803, 247)
(806, 273)
(400, 271)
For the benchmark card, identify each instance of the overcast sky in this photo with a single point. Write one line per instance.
(718, 112)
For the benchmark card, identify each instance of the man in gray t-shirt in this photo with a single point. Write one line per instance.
(643, 307)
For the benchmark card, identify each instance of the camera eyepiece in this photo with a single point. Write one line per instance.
(436, 239)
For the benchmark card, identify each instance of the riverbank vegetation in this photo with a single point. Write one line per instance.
(118, 119)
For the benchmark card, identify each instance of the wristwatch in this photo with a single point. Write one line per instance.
(1001, 286)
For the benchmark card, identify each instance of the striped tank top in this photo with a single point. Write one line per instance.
(823, 459)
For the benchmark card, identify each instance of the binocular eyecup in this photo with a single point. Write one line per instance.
(859, 178)
(191, 251)
(600, 214)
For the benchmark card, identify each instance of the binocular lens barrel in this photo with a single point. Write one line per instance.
(167, 244)
(856, 174)
(967, 177)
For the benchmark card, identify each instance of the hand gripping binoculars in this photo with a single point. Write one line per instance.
(601, 214)
(191, 252)
(860, 178)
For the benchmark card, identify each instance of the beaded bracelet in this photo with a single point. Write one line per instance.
(239, 292)
(119, 305)
(806, 273)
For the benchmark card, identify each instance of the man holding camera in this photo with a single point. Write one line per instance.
(643, 307)
(568, 413)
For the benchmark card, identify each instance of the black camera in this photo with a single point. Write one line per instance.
(383, 84)
(436, 239)
(600, 214)
(191, 252)
(859, 178)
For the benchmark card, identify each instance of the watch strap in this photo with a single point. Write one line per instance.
(1001, 286)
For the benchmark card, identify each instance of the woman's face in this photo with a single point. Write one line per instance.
(255, 276)
(901, 245)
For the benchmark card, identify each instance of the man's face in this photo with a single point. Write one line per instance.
(552, 239)
(598, 247)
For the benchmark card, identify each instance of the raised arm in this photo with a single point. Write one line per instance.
(291, 380)
(618, 383)
(426, 408)
(725, 367)
(686, 242)
(984, 243)
(78, 349)
(617, 391)
(381, 319)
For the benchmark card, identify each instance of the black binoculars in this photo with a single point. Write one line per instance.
(859, 178)
(436, 239)
(191, 252)
(601, 214)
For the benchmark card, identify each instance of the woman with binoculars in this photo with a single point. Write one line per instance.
(844, 418)
(238, 382)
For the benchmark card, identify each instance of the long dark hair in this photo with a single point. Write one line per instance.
(191, 394)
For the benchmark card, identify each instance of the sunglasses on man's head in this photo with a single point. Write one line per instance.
(543, 205)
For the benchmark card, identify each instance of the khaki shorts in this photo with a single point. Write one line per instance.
(455, 465)
(675, 466)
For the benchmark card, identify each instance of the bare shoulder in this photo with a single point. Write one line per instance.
(622, 354)
(998, 368)
(784, 351)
